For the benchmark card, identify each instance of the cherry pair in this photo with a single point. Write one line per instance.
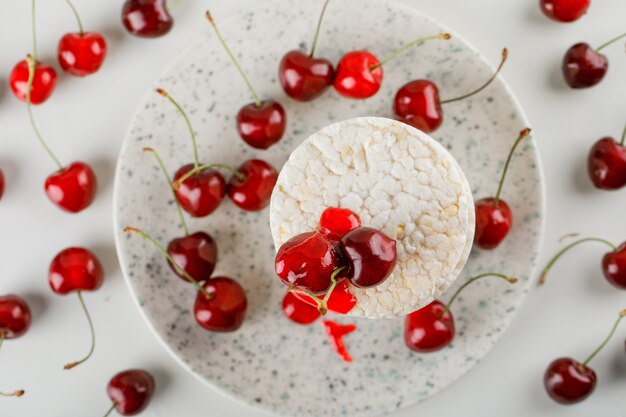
(201, 188)
(568, 381)
(221, 302)
(147, 18)
(15, 318)
(431, 328)
(606, 163)
(130, 392)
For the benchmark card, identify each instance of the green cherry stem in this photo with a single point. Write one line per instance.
(505, 54)
(621, 142)
(110, 410)
(169, 258)
(255, 97)
(17, 393)
(169, 184)
(604, 45)
(544, 273)
(510, 280)
(33, 30)
(2, 336)
(317, 30)
(187, 121)
(77, 16)
(322, 303)
(93, 335)
(443, 36)
(176, 185)
(622, 314)
(521, 136)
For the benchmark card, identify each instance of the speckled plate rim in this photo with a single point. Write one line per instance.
(538, 243)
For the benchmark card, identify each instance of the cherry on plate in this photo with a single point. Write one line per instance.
(224, 308)
(371, 256)
(250, 187)
(336, 222)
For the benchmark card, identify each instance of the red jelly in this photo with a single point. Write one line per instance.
(336, 332)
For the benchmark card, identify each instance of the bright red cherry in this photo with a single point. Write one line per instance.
(307, 261)
(568, 381)
(15, 317)
(371, 256)
(130, 391)
(299, 311)
(195, 253)
(417, 103)
(1, 183)
(147, 18)
(250, 188)
(607, 163)
(44, 81)
(335, 333)
(336, 222)
(82, 54)
(72, 188)
(564, 10)
(224, 309)
(201, 193)
(341, 300)
(493, 215)
(260, 123)
(302, 76)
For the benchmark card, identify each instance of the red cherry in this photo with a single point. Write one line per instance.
(583, 66)
(262, 125)
(493, 222)
(202, 192)
(607, 164)
(1, 183)
(147, 18)
(614, 266)
(224, 309)
(82, 54)
(429, 329)
(341, 299)
(299, 311)
(417, 103)
(336, 222)
(564, 10)
(44, 81)
(567, 381)
(130, 391)
(307, 261)
(75, 269)
(371, 255)
(72, 188)
(358, 75)
(15, 317)
(251, 187)
(303, 77)
(195, 253)
(335, 333)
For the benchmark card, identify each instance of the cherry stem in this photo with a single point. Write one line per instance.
(510, 280)
(169, 258)
(544, 273)
(184, 114)
(110, 410)
(521, 136)
(599, 48)
(176, 185)
(622, 314)
(169, 184)
(80, 24)
(621, 142)
(322, 303)
(255, 97)
(17, 393)
(317, 30)
(91, 329)
(34, 32)
(505, 54)
(2, 336)
(444, 36)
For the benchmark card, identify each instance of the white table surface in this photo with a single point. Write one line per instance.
(87, 118)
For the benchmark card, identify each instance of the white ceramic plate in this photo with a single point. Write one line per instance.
(270, 362)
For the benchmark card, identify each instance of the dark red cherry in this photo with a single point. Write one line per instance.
(299, 311)
(14, 316)
(336, 222)
(304, 77)
(607, 164)
(73, 188)
(341, 300)
(201, 193)
(1, 183)
(147, 18)
(429, 329)
(307, 261)
(253, 191)
(226, 308)
(371, 255)
(358, 75)
(614, 266)
(493, 222)
(567, 381)
(262, 125)
(131, 391)
(82, 54)
(583, 66)
(564, 10)
(44, 81)
(417, 103)
(75, 269)
(196, 254)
